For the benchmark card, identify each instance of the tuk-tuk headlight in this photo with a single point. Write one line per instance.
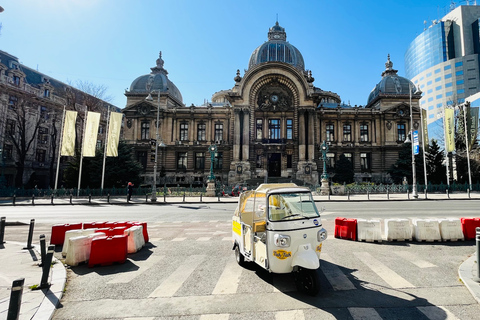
(281, 240)
(322, 235)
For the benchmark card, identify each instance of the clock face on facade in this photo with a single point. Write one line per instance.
(274, 98)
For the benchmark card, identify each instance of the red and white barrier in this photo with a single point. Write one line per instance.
(451, 229)
(398, 230)
(369, 230)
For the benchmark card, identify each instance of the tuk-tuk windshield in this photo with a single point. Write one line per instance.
(291, 206)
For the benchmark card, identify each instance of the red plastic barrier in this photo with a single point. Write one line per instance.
(110, 232)
(108, 250)
(58, 232)
(114, 224)
(468, 227)
(90, 225)
(145, 232)
(346, 228)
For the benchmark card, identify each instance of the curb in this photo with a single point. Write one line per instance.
(466, 274)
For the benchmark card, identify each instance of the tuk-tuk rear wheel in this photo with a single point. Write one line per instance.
(307, 280)
(239, 256)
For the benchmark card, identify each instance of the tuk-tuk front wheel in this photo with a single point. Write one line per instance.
(239, 256)
(307, 280)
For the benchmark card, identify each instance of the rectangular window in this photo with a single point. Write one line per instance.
(437, 71)
(430, 99)
(429, 91)
(218, 161)
(438, 88)
(46, 93)
(401, 132)
(458, 64)
(430, 107)
(365, 161)
(331, 160)
(10, 128)
(145, 132)
(274, 128)
(99, 144)
(459, 73)
(7, 152)
(438, 79)
(12, 102)
(200, 160)
(42, 136)
(329, 132)
(259, 161)
(448, 85)
(100, 129)
(289, 161)
(449, 94)
(259, 129)
(439, 105)
(43, 113)
(429, 82)
(447, 67)
(462, 100)
(181, 160)
(439, 96)
(448, 76)
(363, 132)
(218, 131)
(349, 157)
(289, 129)
(460, 91)
(16, 80)
(40, 155)
(347, 132)
(201, 132)
(459, 82)
(184, 131)
(429, 74)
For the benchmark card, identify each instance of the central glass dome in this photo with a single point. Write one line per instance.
(277, 49)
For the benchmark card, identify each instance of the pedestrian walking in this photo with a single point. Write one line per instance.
(129, 191)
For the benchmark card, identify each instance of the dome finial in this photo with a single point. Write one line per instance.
(159, 67)
(160, 61)
(389, 67)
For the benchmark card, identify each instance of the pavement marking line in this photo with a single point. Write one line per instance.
(437, 313)
(227, 239)
(414, 259)
(290, 315)
(143, 266)
(152, 240)
(204, 238)
(213, 221)
(175, 280)
(364, 313)
(384, 272)
(140, 318)
(178, 239)
(229, 279)
(335, 276)
(221, 316)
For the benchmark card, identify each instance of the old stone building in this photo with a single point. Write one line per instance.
(31, 108)
(269, 125)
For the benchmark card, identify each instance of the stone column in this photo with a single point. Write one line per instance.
(246, 135)
(236, 136)
(301, 135)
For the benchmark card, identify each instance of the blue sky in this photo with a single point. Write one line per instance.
(112, 42)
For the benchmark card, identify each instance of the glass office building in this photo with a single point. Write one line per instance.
(443, 61)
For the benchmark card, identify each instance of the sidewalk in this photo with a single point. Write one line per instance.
(16, 263)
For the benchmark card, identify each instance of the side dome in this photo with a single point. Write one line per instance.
(277, 49)
(391, 84)
(156, 80)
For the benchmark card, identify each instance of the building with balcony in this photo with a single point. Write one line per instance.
(269, 126)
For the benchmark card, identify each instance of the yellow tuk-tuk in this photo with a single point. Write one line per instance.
(278, 227)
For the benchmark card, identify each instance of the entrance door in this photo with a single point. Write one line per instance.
(274, 164)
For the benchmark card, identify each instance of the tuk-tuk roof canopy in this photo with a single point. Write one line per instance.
(272, 187)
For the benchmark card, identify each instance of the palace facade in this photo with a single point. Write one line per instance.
(269, 126)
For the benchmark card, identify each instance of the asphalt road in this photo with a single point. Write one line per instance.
(188, 270)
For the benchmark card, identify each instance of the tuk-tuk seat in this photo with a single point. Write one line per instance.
(259, 226)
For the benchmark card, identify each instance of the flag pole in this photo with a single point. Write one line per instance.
(81, 152)
(105, 149)
(59, 152)
(423, 139)
(467, 142)
(445, 144)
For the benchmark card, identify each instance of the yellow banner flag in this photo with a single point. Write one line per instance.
(68, 140)
(114, 133)
(449, 130)
(90, 135)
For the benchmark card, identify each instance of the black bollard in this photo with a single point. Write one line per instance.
(43, 250)
(108, 197)
(388, 195)
(426, 194)
(33, 199)
(448, 195)
(368, 195)
(183, 195)
(13, 200)
(408, 195)
(71, 198)
(146, 198)
(2, 230)
(51, 199)
(15, 299)
(329, 196)
(468, 192)
(164, 196)
(90, 198)
(46, 267)
(200, 197)
(348, 193)
(30, 234)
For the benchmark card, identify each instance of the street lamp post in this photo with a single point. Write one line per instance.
(414, 170)
(324, 189)
(154, 186)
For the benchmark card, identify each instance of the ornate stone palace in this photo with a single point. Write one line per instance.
(269, 125)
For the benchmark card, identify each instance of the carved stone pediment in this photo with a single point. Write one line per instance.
(274, 99)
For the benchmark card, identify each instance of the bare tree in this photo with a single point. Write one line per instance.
(27, 119)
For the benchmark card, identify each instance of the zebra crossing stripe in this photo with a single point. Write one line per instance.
(334, 275)
(204, 238)
(437, 313)
(140, 318)
(290, 315)
(171, 284)
(178, 239)
(141, 266)
(221, 316)
(384, 272)
(227, 239)
(364, 313)
(414, 259)
(229, 279)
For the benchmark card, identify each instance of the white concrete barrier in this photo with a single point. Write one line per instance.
(369, 230)
(70, 234)
(427, 230)
(398, 230)
(451, 229)
(135, 240)
(79, 248)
